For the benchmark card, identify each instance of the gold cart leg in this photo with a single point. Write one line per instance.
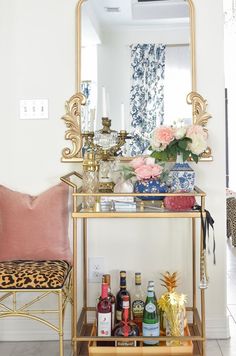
(60, 306)
(203, 312)
(194, 265)
(74, 287)
(85, 259)
(203, 322)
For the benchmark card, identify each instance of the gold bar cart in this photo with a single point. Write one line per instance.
(82, 337)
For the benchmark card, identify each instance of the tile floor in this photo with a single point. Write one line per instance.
(214, 347)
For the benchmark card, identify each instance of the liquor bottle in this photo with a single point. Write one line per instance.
(138, 301)
(104, 310)
(119, 298)
(151, 316)
(107, 279)
(126, 327)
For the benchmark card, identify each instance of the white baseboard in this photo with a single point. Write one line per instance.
(16, 329)
(217, 328)
(20, 329)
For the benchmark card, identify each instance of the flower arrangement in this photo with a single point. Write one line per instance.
(169, 141)
(143, 168)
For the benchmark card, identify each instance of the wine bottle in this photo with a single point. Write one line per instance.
(126, 327)
(138, 301)
(104, 310)
(107, 279)
(151, 316)
(119, 298)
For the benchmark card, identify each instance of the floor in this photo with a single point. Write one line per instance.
(214, 347)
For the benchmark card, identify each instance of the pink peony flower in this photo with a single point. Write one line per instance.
(148, 171)
(156, 170)
(137, 162)
(196, 130)
(143, 172)
(162, 136)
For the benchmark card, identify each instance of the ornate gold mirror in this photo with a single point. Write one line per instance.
(135, 66)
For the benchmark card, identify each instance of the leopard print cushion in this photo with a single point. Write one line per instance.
(231, 219)
(33, 274)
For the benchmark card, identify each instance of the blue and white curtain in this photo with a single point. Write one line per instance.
(147, 93)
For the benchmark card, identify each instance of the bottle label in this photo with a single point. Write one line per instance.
(113, 314)
(137, 308)
(151, 330)
(118, 315)
(104, 324)
(150, 307)
(126, 343)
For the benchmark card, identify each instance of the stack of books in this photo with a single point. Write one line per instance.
(118, 204)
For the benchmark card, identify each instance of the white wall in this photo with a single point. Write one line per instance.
(38, 61)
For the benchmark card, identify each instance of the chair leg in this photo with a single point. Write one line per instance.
(61, 334)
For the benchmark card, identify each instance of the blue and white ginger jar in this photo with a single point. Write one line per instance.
(150, 186)
(181, 177)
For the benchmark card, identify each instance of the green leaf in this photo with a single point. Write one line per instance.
(194, 157)
(183, 144)
(186, 155)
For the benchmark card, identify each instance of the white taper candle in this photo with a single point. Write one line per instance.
(104, 103)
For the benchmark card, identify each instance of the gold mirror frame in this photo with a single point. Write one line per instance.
(72, 116)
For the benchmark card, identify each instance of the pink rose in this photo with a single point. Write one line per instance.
(137, 162)
(143, 172)
(196, 130)
(162, 135)
(148, 171)
(156, 170)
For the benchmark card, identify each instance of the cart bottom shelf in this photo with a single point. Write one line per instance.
(82, 347)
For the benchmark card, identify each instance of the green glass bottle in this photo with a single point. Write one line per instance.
(151, 316)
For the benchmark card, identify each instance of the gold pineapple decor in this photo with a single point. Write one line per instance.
(169, 281)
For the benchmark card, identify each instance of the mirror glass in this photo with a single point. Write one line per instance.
(135, 66)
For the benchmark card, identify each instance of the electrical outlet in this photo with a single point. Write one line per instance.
(95, 269)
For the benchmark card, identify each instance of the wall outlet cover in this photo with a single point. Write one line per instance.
(95, 269)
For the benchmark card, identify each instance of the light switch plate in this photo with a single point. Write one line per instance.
(95, 269)
(33, 109)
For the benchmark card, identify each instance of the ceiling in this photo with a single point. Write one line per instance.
(133, 12)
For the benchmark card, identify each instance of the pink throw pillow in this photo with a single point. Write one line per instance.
(34, 227)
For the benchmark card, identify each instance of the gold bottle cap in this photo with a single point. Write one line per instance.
(107, 278)
(90, 164)
(137, 278)
(123, 273)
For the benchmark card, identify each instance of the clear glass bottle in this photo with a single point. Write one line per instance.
(104, 310)
(138, 301)
(90, 180)
(126, 327)
(151, 316)
(119, 298)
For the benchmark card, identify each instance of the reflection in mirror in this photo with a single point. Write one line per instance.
(139, 51)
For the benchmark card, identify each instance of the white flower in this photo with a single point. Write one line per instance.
(198, 144)
(150, 160)
(180, 132)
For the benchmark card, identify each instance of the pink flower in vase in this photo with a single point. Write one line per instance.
(196, 130)
(162, 136)
(148, 171)
(143, 172)
(156, 170)
(137, 162)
